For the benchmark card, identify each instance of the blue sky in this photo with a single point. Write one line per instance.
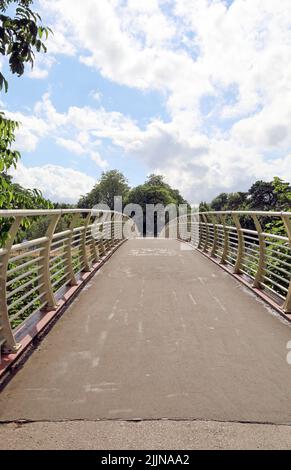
(197, 90)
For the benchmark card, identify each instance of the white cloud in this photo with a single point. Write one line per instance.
(239, 56)
(41, 67)
(71, 145)
(96, 95)
(57, 183)
(96, 157)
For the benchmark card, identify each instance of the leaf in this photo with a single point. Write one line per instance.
(3, 82)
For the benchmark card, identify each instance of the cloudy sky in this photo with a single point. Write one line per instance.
(197, 90)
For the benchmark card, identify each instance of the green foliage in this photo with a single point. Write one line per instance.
(17, 297)
(20, 36)
(8, 157)
(14, 196)
(272, 196)
(155, 191)
(262, 196)
(112, 183)
(204, 207)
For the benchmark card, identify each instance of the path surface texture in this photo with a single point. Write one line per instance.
(160, 332)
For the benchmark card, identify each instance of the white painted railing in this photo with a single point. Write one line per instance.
(34, 274)
(261, 257)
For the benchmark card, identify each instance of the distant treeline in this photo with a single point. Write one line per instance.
(262, 196)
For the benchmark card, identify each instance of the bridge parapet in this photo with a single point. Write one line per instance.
(254, 245)
(34, 274)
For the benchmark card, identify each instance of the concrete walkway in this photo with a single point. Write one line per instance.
(160, 332)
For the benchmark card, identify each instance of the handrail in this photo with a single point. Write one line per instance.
(37, 212)
(262, 258)
(35, 274)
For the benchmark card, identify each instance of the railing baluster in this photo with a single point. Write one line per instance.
(205, 244)
(241, 244)
(215, 236)
(112, 234)
(225, 241)
(200, 228)
(44, 266)
(287, 223)
(101, 240)
(93, 245)
(6, 333)
(68, 252)
(84, 256)
(262, 260)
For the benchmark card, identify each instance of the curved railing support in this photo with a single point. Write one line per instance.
(44, 265)
(215, 236)
(7, 342)
(83, 245)
(34, 274)
(68, 252)
(241, 244)
(205, 244)
(262, 256)
(225, 240)
(287, 223)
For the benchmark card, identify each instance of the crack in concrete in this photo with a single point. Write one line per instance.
(24, 422)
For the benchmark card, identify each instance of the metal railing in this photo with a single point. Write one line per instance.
(248, 244)
(35, 274)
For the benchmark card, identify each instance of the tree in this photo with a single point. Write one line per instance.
(20, 37)
(219, 203)
(272, 195)
(112, 183)
(158, 181)
(91, 199)
(204, 207)
(154, 191)
(282, 189)
(262, 196)
(237, 201)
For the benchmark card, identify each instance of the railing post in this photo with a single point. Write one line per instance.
(83, 245)
(6, 333)
(118, 227)
(125, 221)
(98, 234)
(101, 240)
(68, 252)
(112, 228)
(287, 223)
(44, 264)
(215, 236)
(225, 240)
(205, 246)
(200, 243)
(107, 232)
(262, 260)
(94, 247)
(241, 244)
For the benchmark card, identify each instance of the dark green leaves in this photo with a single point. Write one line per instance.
(20, 37)
(3, 83)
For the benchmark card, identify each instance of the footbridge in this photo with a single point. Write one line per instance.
(185, 337)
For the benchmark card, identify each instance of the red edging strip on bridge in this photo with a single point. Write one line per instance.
(34, 326)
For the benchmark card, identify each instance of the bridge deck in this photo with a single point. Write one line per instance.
(160, 332)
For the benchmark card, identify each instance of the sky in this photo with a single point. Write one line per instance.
(196, 90)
